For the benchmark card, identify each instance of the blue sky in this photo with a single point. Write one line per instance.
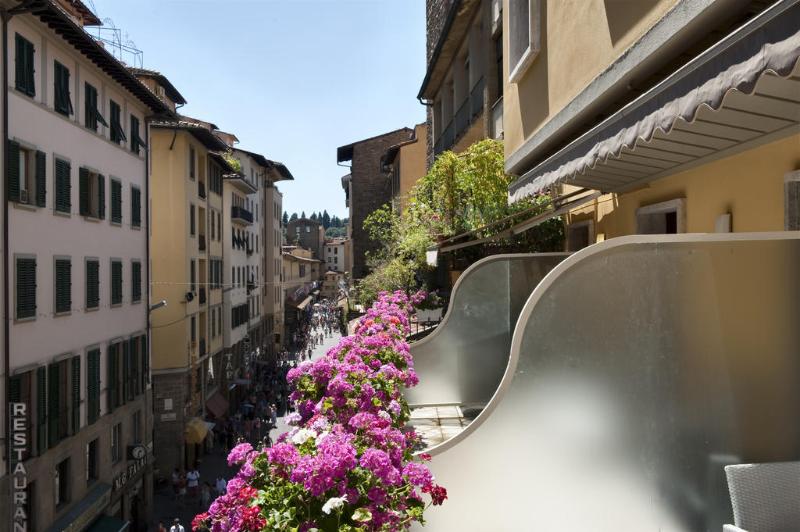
(293, 79)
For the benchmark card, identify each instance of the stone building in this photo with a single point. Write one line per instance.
(367, 188)
(308, 234)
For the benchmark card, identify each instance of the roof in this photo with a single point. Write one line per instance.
(208, 125)
(86, 14)
(301, 259)
(204, 135)
(267, 163)
(345, 153)
(59, 21)
(169, 88)
(218, 157)
(455, 27)
(391, 153)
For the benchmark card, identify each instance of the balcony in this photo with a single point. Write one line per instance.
(202, 351)
(240, 182)
(241, 215)
(201, 242)
(201, 189)
(476, 99)
(202, 295)
(446, 140)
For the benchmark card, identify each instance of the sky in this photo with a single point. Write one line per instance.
(292, 79)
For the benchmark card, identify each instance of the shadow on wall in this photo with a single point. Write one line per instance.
(534, 88)
(623, 15)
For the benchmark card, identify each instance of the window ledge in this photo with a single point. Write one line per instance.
(92, 309)
(60, 314)
(90, 218)
(523, 64)
(24, 320)
(62, 213)
(25, 206)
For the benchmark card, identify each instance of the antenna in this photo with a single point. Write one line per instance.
(121, 47)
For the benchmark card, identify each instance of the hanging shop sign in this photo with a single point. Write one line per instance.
(18, 419)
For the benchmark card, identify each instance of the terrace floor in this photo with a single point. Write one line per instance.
(436, 424)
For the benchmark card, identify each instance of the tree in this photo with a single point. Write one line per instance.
(303, 215)
(314, 216)
(285, 218)
(326, 219)
(294, 217)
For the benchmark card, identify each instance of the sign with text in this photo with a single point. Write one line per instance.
(18, 422)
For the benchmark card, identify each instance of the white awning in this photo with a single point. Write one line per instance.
(742, 92)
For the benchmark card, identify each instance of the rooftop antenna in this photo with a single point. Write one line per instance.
(120, 46)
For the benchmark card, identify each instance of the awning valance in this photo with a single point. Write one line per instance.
(744, 90)
(217, 405)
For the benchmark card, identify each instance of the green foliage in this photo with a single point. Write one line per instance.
(232, 161)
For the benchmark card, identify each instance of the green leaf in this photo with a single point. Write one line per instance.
(362, 515)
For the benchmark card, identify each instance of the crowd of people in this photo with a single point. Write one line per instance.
(323, 323)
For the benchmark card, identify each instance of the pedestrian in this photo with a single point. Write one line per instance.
(182, 488)
(220, 485)
(273, 415)
(193, 482)
(205, 496)
(161, 527)
(176, 483)
(177, 526)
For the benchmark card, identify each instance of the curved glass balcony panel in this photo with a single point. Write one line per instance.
(461, 363)
(639, 368)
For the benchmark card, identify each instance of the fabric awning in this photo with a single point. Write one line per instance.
(196, 430)
(304, 303)
(217, 405)
(109, 524)
(740, 91)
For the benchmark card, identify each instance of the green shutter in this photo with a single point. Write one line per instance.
(12, 174)
(116, 201)
(26, 288)
(41, 178)
(145, 361)
(29, 69)
(75, 404)
(63, 186)
(92, 284)
(83, 191)
(41, 409)
(126, 372)
(63, 285)
(53, 406)
(113, 375)
(116, 283)
(134, 134)
(136, 207)
(136, 281)
(92, 386)
(62, 102)
(15, 389)
(19, 63)
(101, 196)
(90, 107)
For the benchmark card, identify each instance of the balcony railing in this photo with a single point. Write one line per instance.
(201, 189)
(462, 118)
(241, 214)
(445, 141)
(476, 99)
(201, 242)
(202, 295)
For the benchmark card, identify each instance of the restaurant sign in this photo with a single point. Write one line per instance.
(134, 467)
(18, 419)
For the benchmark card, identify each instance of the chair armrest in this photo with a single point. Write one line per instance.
(732, 528)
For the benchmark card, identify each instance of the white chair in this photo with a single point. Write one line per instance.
(765, 497)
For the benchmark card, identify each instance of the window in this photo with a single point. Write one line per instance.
(26, 287)
(62, 102)
(193, 331)
(116, 443)
(114, 391)
(213, 224)
(580, 235)
(791, 201)
(27, 175)
(136, 139)
(192, 276)
(91, 462)
(24, 66)
(92, 386)
(192, 162)
(61, 483)
(668, 217)
(136, 207)
(136, 423)
(213, 324)
(136, 281)
(117, 133)
(63, 280)
(498, 57)
(59, 402)
(116, 201)
(524, 36)
(92, 192)
(63, 186)
(191, 220)
(92, 283)
(92, 115)
(116, 282)
(75, 395)
(219, 320)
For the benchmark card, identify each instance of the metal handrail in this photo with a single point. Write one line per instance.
(476, 98)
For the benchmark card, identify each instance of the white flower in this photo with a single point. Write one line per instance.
(303, 435)
(334, 503)
(322, 436)
(383, 414)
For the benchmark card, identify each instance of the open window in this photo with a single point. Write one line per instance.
(668, 217)
(524, 36)
(580, 235)
(26, 175)
(92, 194)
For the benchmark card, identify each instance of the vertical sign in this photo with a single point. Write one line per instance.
(18, 421)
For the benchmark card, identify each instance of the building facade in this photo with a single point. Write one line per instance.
(301, 276)
(366, 189)
(334, 255)
(332, 285)
(405, 163)
(463, 84)
(76, 264)
(308, 234)
(272, 292)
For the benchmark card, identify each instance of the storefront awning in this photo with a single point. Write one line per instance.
(196, 430)
(304, 303)
(217, 405)
(82, 513)
(742, 92)
(109, 524)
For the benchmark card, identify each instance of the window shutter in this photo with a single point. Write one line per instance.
(126, 372)
(136, 207)
(136, 281)
(41, 409)
(89, 107)
(76, 394)
(12, 174)
(133, 368)
(53, 413)
(63, 186)
(63, 285)
(83, 191)
(101, 197)
(15, 389)
(41, 178)
(113, 360)
(116, 283)
(92, 386)
(92, 284)
(116, 201)
(65, 91)
(26, 288)
(20, 57)
(29, 69)
(145, 362)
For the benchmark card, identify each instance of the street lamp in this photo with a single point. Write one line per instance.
(160, 304)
